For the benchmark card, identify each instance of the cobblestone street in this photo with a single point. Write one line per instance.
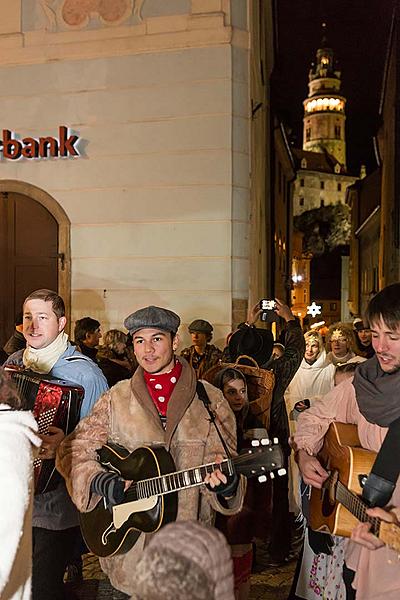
(266, 583)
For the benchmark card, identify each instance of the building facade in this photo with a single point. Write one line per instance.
(141, 193)
(375, 200)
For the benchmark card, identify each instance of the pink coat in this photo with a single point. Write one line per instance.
(127, 415)
(377, 572)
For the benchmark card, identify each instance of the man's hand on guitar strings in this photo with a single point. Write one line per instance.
(361, 533)
(215, 478)
(311, 469)
(50, 442)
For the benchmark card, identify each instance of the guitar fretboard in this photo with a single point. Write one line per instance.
(357, 507)
(172, 482)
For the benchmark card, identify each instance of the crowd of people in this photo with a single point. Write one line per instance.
(201, 405)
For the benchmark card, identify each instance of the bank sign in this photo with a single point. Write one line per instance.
(12, 147)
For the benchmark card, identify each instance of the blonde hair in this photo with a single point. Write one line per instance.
(111, 339)
(316, 335)
(346, 331)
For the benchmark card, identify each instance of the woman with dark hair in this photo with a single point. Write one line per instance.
(240, 529)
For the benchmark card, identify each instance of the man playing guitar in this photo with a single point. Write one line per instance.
(158, 406)
(371, 402)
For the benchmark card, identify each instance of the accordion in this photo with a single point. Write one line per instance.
(53, 402)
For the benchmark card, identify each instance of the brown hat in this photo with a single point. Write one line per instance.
(201, 326)
(152, 317)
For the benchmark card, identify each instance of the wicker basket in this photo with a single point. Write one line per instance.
(260, 385)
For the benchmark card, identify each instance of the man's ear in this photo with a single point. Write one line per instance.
(175, 342)
(62, 321)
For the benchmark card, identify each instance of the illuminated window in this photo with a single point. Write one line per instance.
(318, 104)
(325, 60)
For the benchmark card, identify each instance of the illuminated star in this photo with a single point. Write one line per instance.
(313, 309)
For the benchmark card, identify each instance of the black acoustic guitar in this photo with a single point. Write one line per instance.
(152, 500)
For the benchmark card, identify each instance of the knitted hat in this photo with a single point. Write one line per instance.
(152, 317)
(185, 560)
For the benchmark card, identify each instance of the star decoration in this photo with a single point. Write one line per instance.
(313, 309)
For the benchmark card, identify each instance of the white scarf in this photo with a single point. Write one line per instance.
(42, 360)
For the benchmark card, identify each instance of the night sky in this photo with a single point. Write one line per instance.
(358, 32)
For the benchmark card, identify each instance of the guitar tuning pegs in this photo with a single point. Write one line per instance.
(275, 440)
(255, 442)
(281, 472)
(262, 478)
(265, 442)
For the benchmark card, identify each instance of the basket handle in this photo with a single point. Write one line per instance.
(237, 361)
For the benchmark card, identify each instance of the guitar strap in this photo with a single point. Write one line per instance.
(202, 394)
(380, 484)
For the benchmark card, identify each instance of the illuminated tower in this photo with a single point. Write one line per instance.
(324, 116)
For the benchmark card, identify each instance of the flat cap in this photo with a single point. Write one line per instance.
(152, 317)
(201, 326)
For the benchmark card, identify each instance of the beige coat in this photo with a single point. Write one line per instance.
(127, 415)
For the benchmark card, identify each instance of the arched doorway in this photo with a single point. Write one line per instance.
(34, 248)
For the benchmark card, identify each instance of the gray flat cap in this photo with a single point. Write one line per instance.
(152, 317)
(201, 326)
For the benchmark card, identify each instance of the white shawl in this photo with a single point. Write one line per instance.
(17, 441)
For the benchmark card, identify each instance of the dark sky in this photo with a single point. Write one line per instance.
(358, 32)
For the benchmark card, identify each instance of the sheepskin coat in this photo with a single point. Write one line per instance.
(127, 415)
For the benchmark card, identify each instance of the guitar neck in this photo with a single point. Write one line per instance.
(179, 480)
(357, 507)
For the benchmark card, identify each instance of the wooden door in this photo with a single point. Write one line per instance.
(28, 254)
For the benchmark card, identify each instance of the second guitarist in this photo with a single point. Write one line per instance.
(372, 402)
(158, 406)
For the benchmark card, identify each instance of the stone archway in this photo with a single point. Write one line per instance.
(64, 248)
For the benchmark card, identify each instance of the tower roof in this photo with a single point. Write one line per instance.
(326, 63)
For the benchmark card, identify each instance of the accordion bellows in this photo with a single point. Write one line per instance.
(53, 402)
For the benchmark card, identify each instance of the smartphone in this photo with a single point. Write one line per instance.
(267, 304)
(268, 314)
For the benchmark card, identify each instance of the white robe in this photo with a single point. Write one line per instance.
(312, 382)
(17, 441)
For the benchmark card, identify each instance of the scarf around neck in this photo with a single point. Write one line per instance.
(42, 360)
(377, 392)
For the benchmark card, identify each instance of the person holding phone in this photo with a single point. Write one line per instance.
(258, 344)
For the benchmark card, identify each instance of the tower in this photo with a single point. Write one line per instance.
(324, 108)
